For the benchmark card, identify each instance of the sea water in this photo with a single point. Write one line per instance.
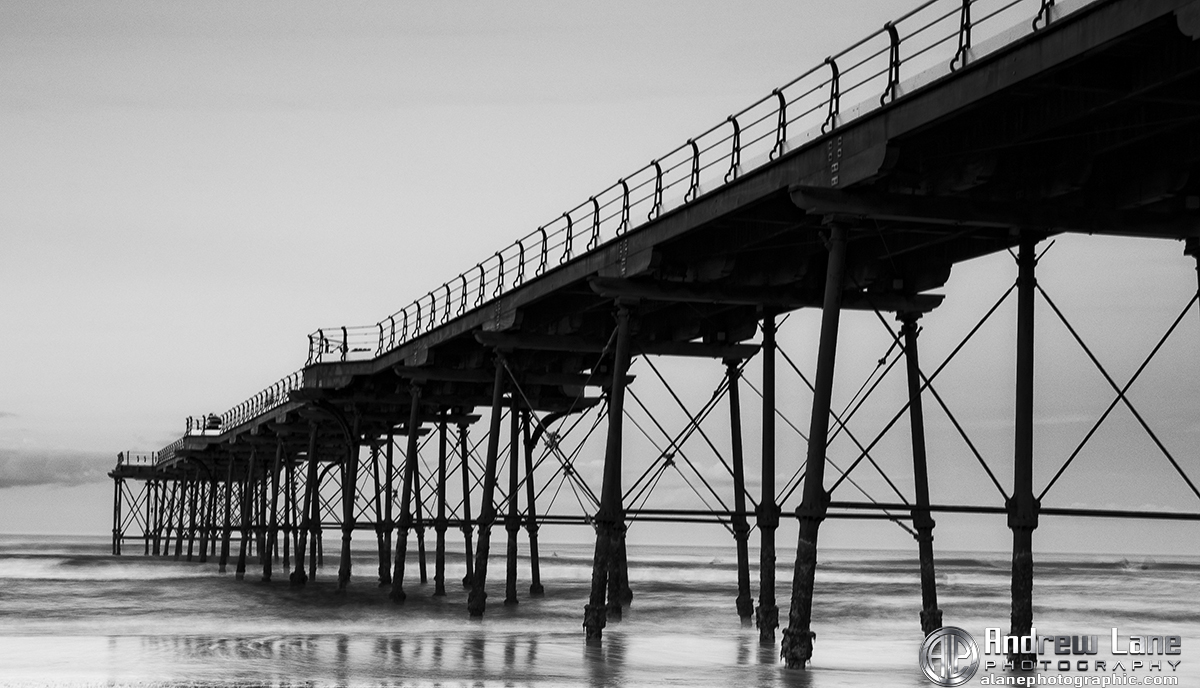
(72, 614)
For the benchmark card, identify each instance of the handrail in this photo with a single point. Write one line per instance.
(920, 42)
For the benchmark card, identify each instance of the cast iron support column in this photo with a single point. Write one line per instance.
(610, 519)
(156, 496)
(227, 530)
(262, 537)
(116, 529)
(463, 450)
(273, 532)
(193, 489)
(410, 466)
(1023, 506)
(149, 492)
(512, 521)
(766, 617)
(180, 504)
(439, 563)
(477, 598)
(298, 576)
(169, 515)
(931, 616)
(389, 498)
(349, 494)
(419, 522)
(379, 520)
(247, 502)
(797, 646)
(289, 511)
(741, 528)
(531, 525)
(207, 509)
(202, 498)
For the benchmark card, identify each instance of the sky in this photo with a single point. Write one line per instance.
(189, 189)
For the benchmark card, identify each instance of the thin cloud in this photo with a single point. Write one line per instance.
(6, 414)
(24, 467)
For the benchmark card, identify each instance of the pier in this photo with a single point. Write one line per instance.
(963, 129)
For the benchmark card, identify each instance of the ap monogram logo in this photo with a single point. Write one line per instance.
(949, 656)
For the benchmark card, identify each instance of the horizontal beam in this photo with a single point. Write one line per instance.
(965, 212)
(574, 344)
(1044, 511)
(776, 298)
(477, 375)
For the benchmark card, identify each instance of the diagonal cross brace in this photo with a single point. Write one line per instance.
(1120, 392)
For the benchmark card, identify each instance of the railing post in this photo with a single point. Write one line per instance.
(798, 637)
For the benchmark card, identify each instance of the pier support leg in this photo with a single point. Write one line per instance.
(227, 530)
(273, 531)
(207, 495)
(1023, 505)
(193, 496)
(380, 525)
(610, 521)
(766, 616)
(298, 576)
(931, 616)
(181, 487)
(389, 499)
(512, 521)
(419, 523)
(247, 526)
(289, 511)
(156, 497)
(410, 468)
(477, 598)
(797, 646)
(262, 537)
(464, 451)
(531, 524)
(439, 562)
(116, 528)
(741, 527)
(149, 492)
(349, 495)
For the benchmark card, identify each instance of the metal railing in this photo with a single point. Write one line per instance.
(137, 458)
(929, 42)
(935, 39)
